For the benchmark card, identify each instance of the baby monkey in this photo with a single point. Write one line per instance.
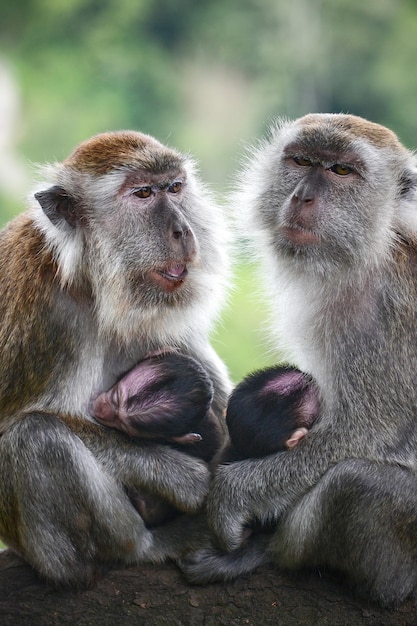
(166, 398)
(270, 411)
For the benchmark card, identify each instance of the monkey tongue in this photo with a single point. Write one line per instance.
(177, 271)
(171, 277)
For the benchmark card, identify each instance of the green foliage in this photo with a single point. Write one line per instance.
(241, 338)
(87, 66)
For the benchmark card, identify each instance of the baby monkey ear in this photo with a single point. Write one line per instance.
(58, 205)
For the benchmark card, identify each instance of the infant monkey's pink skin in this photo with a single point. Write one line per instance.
(166, 396)
(296, 437)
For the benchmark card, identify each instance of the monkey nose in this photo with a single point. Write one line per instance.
(183, 241)
(302, 199)
(180, 232)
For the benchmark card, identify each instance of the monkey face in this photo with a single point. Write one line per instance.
(327, 186)
(168, 245)
(130, 217)
(150, 233)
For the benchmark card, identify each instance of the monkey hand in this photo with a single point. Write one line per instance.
(241, 493)
(228, 507)
(170, 474)
(185, 481)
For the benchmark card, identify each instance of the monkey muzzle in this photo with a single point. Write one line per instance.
(171, 277)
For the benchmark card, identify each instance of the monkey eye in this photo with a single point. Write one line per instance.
(302, 161)
(341, 170)
(175, 187)
(143, 192)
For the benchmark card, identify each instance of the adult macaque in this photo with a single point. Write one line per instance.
(122, 253)
(166, 398)
(333, 202)
(270, 411)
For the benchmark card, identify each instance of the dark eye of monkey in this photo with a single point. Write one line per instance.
(302, 161)
(143, 192)
(337, 168)
(175, 187)
(341, 170)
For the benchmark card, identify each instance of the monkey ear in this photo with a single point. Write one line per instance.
(58, 205)
(408, 182)
(405, 219)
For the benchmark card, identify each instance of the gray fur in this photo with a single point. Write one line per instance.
(345, 497)
(90, 283)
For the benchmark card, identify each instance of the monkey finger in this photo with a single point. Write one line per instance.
(188, 438)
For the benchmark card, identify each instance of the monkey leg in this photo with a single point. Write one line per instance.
(360, 519)
(59, 508)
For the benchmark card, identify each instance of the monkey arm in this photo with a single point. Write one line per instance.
(175, 476)
(263, 489)
(181, 479)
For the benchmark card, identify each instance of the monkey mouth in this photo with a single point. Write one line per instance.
(171, 277)
(300, 236)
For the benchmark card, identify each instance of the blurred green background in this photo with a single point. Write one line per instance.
(205, 76)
